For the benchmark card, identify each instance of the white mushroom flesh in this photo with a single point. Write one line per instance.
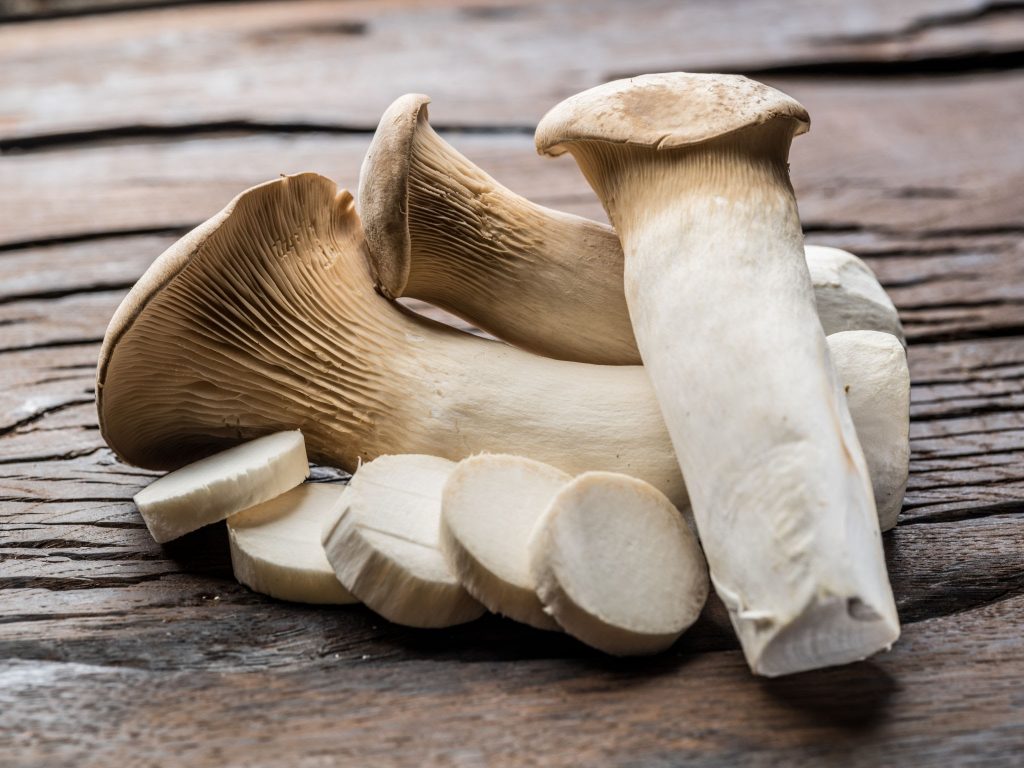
(276, 549)
(385, 546)
(214, 488)
(617, 566)
(490, 507)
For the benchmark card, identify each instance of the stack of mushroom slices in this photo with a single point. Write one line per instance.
(697, 365)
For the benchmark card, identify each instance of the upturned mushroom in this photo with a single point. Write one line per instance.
(264, 318)
(442, 230)
(693, 172)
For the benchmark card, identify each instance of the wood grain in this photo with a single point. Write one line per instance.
(123, 125)
(873, 163)
(340, 64)
(926, 700)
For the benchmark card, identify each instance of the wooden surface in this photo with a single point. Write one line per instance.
(124, 124)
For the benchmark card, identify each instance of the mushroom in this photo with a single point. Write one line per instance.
(693, 172)
(265, 318)
(276, 549)
(617, 566)
(489, 508)
(442, 230)
(216, 487)
(385, 546)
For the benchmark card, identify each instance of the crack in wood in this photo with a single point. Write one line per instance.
(52, 344)
(66, 456)
(63, 293)
(1015, 507)
(62, 584)
(173, 131)
(965, 63)
(964, 334)
(73, 238)
(107, 8)
(925, 23)
(42, 413)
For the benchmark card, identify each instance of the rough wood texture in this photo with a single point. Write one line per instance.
(122, 125)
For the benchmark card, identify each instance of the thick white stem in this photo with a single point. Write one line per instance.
(777, 479)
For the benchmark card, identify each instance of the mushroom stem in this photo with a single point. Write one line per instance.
(442, 230)
(265, 318)
(693, 172)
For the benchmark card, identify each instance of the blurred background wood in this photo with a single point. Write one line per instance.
(123, 124)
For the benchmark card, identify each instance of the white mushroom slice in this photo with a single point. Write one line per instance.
(848, 295)
(617, 566)
(490, 508)
(218, 486)
(442, 230)
(276, 549)
(385, 550)
(693, 171)
(880, 397)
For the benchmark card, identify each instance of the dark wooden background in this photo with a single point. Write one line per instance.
(123, 124)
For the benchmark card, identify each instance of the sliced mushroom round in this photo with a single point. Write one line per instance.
(385, 546)
(276, 549)
(265, 318)
(216, 487)
(442, 230)
(490, 507)
(617, 566)
(693, 171)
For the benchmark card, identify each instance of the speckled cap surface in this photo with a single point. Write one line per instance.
(673, 109)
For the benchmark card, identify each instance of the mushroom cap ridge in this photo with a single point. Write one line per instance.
(177, 259)
(384, 186)
(662, 111)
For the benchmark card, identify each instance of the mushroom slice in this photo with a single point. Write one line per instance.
(276, 549)
(879, 396)
(617, 566)
(693, 171)
(384, 547)
(218, 486)
(442, 230)
(490, 507)
(265, 318)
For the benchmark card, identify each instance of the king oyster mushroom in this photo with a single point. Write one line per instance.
(693, 171)
(264, 318)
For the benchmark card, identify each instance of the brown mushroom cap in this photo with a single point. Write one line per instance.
(662, 111)
(226, 334)
(384, 187)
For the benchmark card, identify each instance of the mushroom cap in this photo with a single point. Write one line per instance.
(662, 111)
(202, 353)
(384, 186)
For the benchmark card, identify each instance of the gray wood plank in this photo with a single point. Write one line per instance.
(502, 63)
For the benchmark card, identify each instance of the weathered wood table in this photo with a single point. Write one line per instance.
(124, 124)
